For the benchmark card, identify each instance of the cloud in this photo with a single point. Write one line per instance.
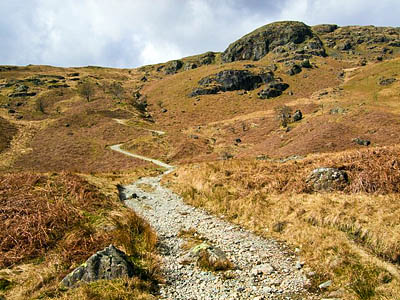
(124, 33)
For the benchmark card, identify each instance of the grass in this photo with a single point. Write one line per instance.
(350, 237)
(52, 223)
(7, 132)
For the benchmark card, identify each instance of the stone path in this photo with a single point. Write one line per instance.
(263, 269)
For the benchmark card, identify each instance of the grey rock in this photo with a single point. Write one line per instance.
(295, 69)
(260, 42)
(306, 64)
(58, 86)
(337, 110)
(22, 94)
(327, 179)
(173, 67)
(263, 269)
(107, 264)
(297, 116)
(273, 89)
(231, 80)
(325, 284)
(21, 88)
(387, 81)
(189, 66)
(362, 142)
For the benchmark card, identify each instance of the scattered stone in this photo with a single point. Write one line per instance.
(107, 264)
(75, 74)
(19, 117)
(387, 81)
(11, 111)
(193, 136)
(362, 142)
(297, 116)
(325, 285)
(279, 226)
(295, 69)
(22, 94)
(306, 64)
(263, 269)
(21, 88)
(164, 110)
(143, 79)
(248, 66)
(327, 179)
(274, 89)
(238, 140)
(58, 86)
(208, 257)
(337, 110)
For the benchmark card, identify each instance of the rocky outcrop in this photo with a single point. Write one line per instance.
(282, 36)
(273, 89)
(173, 66)
(327, 179)
(231, 80)
(107, 264)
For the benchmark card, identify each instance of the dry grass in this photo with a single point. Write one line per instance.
(350, 236)
(56, 222)
(7, 132)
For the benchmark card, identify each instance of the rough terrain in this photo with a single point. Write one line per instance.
(263, 269)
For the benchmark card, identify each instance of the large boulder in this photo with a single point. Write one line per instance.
(273, 89)
(327, 179)
(231, 80)
(107, 264)
(292, 35)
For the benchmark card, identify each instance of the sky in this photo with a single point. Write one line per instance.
(132, 33)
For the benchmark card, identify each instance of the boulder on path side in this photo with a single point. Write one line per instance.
(107, 264)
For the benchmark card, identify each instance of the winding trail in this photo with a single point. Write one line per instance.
(263, 268)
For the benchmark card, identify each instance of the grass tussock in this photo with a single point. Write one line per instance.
(350, 236)
(54, 223)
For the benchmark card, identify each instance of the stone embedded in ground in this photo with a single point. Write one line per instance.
(273, 89)
(298, 115)
(107, 264)
(327, 179)
(263, 269)
(387, 81)
(362, 142)
(295, 69)
(208, 257)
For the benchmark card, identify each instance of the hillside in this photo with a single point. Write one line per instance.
(244, 128)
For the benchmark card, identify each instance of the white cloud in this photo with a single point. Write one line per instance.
(126, 33)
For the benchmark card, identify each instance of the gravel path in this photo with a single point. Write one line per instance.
(264, 269)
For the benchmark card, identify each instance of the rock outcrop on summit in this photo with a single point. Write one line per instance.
(280, 37)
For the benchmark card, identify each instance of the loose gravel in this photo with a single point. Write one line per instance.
(263, 268)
